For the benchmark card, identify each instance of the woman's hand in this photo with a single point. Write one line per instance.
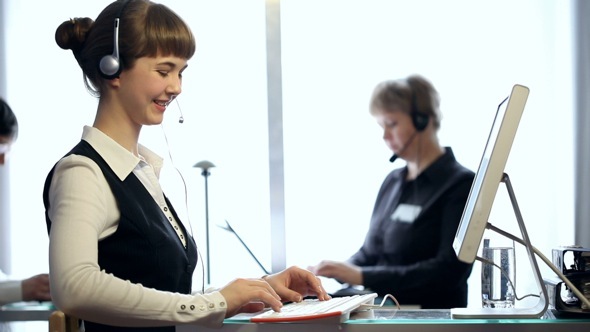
(294, 283)
(252, 295)
(36, 288)
(249, 295)
(342, 271)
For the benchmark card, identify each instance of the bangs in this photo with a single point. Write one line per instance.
(166, 34)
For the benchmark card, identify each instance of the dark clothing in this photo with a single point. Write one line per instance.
(411, 257)
(145, 249)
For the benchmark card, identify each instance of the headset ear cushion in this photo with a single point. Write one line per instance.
(109, 66)
(420, 120)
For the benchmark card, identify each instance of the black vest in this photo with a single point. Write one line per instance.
(145, 249)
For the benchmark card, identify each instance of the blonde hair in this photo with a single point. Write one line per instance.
(408, 95)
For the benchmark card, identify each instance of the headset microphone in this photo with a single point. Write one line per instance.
(419, 120)
(181, 118)
(404, 147)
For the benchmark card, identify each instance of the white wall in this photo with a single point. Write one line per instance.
(334, 52)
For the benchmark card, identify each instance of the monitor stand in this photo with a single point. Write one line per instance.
(498, 313)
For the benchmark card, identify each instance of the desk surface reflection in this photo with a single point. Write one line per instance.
(26, 311)
(416, 320)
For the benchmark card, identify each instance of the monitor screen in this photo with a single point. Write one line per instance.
(489, 175)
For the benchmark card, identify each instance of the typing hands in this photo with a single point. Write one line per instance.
(252, 295)
(344, 272)
(295, 283)
(36, 288)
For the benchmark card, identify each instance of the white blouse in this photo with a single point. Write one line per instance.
(83, 211)
(10, 290)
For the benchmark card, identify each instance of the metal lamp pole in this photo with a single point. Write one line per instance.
(205, 166)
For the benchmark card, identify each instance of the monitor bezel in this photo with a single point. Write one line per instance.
(489, 174)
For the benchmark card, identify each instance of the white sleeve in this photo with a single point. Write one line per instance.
(10, 291)
(81, 212)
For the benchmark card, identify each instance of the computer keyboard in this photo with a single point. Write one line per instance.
(337, 309)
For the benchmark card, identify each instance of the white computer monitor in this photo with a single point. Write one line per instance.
(481, 199)
(489, 175)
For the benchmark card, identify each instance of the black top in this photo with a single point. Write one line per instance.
(409, 255)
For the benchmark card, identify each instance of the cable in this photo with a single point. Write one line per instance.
(181, 177)
(380, 306)
(190, 224)
(487, 261)
(574, 289)
(418, 172)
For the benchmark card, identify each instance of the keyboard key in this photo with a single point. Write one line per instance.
(313, 309)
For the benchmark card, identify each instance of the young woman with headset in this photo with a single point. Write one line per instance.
(408, 249)
(119, 256)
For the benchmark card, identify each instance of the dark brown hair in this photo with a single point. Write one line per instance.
(8, 122)
(146, 29)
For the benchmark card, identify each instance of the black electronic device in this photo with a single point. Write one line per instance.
(419, 120)
(574, 263)
(419, 117)
(577, 257)
(348, 290)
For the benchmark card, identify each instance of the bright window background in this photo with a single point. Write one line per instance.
(334, 52)
(224, 107)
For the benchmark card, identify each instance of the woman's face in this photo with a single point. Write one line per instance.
(148, 88)
(5, 144)
(398, 130)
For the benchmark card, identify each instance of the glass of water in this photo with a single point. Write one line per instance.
(498, 277)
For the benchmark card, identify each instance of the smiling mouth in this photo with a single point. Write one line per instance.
(163, 103)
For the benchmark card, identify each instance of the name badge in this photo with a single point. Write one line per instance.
(406, 213)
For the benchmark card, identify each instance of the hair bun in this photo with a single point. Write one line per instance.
(71, 34)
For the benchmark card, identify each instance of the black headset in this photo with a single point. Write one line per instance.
(419, 118)
(110, 65)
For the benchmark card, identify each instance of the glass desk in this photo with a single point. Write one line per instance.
(410, 321)
(26, 311)
(370, 321)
